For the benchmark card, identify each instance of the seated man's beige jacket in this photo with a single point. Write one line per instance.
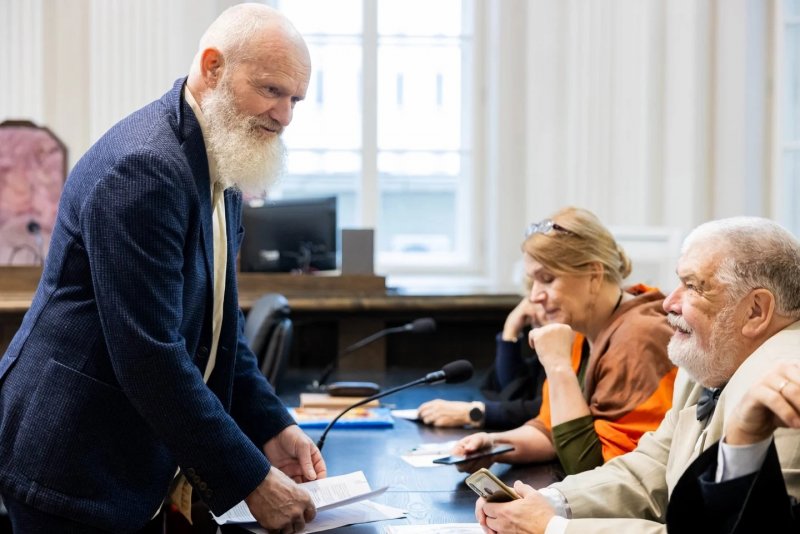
(629, 494)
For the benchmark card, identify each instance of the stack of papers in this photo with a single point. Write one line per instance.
(340, 500)
(324, 400)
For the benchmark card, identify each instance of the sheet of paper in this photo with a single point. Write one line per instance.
(424, 454)
(411, 414)
(448, 528)
(351, 514)
(326, 493)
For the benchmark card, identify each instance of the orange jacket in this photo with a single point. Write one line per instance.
(629, 379)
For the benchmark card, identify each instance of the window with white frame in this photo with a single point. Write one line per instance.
(790, 115)
(386, 126)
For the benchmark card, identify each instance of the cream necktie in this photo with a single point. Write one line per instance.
(220, 264)
(181, 492)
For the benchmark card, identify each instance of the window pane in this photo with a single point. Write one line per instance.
(422, 142)
(330, 116)
(419, 94)
(324, 139)
(316, 173)
(424, 164)
(416, 222)
(341, 17)
(791, 190)
(791, 8)
(315, 162)
(346, 201)
(419, 202)
(419, 17)
(790, 116)
(423, 160)
(791, 88)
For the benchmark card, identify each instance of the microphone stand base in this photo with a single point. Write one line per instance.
(352, 389)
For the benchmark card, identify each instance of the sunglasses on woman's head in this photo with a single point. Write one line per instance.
(545, 226)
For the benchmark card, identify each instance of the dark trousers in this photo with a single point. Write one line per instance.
(28, 520)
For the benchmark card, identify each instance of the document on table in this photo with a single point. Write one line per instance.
(326, 493)
(351, 514)
(448, 528)
(411, 414)
(424, 454)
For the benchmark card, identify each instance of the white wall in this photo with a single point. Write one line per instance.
(651, 113)
(78, 66)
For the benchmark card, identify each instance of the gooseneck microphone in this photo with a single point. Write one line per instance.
(451, 373)
(35, 229)
(417, 326)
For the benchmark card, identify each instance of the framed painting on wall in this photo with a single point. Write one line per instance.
(33, 167)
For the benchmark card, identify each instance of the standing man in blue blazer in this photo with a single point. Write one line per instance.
(129, 383)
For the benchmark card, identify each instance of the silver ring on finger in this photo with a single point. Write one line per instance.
(783, 385)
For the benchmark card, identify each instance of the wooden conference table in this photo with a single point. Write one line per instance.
(430, 495)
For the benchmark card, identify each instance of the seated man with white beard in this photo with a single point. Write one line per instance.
(129, 383)
(742, 498)
(735, 313)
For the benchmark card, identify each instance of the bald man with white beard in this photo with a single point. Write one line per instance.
(130, 384)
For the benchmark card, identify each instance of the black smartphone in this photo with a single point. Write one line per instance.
(455, 459)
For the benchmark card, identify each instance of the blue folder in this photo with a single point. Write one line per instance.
(373, 417)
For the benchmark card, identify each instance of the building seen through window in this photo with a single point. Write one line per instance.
(386, 124)
(790, 115)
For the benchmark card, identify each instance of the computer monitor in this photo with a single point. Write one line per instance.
(293, 235)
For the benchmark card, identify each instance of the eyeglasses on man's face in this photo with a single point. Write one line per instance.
(545, 226)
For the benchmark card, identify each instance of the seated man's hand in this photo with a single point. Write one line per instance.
(279, 504)
(530, 514)
(444, 413)
(774, 401)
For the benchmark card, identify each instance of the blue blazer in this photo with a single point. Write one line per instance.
(101, 390)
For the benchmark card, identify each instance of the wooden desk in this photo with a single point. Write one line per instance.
(17, 285)
(331, 313)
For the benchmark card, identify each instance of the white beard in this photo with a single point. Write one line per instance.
(246, 159)
(711, 367)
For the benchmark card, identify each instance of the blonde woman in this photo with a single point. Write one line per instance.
(611, 382)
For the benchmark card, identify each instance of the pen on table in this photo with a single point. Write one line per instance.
(429, 449)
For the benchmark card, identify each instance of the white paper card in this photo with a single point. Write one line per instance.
(326, 493)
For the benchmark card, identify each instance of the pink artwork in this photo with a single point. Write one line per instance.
(32, 172)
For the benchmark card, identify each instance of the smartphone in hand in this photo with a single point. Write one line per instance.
(487, 485)
(482, 453)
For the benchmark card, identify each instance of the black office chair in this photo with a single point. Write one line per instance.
(268, 329)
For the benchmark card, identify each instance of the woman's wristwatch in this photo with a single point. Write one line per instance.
(477, 414)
